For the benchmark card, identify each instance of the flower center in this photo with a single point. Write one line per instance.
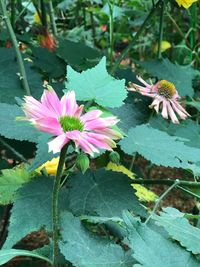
(166, 89)
(69, 123)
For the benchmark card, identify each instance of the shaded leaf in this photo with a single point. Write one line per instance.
(83, 249)
(32, 209)
(159, 147)
(8, 254)
(14, 129)
(181, 76)
(180, 229)
(150, 248)
(105, 192)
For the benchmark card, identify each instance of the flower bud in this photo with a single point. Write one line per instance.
(82, 162)
(114, 157)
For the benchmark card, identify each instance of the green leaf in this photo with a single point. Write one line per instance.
(97, 85)
(83, 249)
(8, 254)
(32, 209)
(48, 62)
(150, 248)
(76, 54)
(181, 76)
(42, 154)
(105, 192)
(14, 129)
(10, 181)
(130, 115)
(180, 229)
(10, 84)
(159, 147)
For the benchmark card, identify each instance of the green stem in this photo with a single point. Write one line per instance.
(15, 44)
(55, 211)
(132, 43)
(166, 182)
(176, 182)
(52, 18)
(111, 32)
(43, 13)
(16, 153)
(93, 27)
(178, 29)
(13, 13)
(192, 27)
(22, 11)
(192, 216)
(161, 29)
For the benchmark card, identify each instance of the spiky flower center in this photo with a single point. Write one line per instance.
(69, 123)
(166, 89)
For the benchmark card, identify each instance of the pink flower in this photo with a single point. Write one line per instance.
(64, 120)
(165, 97)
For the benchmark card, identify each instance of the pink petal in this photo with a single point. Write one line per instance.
(172, 114)
(182, 115)
(164, 110)
(48, 125)
(100, 123)
(69, 106)
(57, 143)
(100, 141)
(143, 81)
(34, 109)
(113, 134)
(51, 101)
(155, 104)
(91, 115)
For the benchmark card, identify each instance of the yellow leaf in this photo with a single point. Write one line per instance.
(141, 192)
(165, 45)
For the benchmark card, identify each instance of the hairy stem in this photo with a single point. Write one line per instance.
(111, 32)
(166, 182)
(161, 29)
(52, 18)
(55, 211)
(176, 182)
(132, 43)
(15, 44)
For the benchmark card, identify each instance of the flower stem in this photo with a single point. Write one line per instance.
(132, 43)
(52, 18)
(15, 44)
(111, 31)
(176, 182)
(55, 212)
(166, 182)
(161, 29)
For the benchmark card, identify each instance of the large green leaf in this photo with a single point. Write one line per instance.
(32, 209)
(10, 83)
(151, 249)
(49, 62)
(84, 249)
(76, 54)
(10, 181)
(97, 85)
(8, 254)
(14, 129)
(180, 229)
(103, 192)
(181, 76)
(159, 147)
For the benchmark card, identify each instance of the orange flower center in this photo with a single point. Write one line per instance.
(166, 89)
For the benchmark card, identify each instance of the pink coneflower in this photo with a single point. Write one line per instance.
(165, 96)
(64, 120)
